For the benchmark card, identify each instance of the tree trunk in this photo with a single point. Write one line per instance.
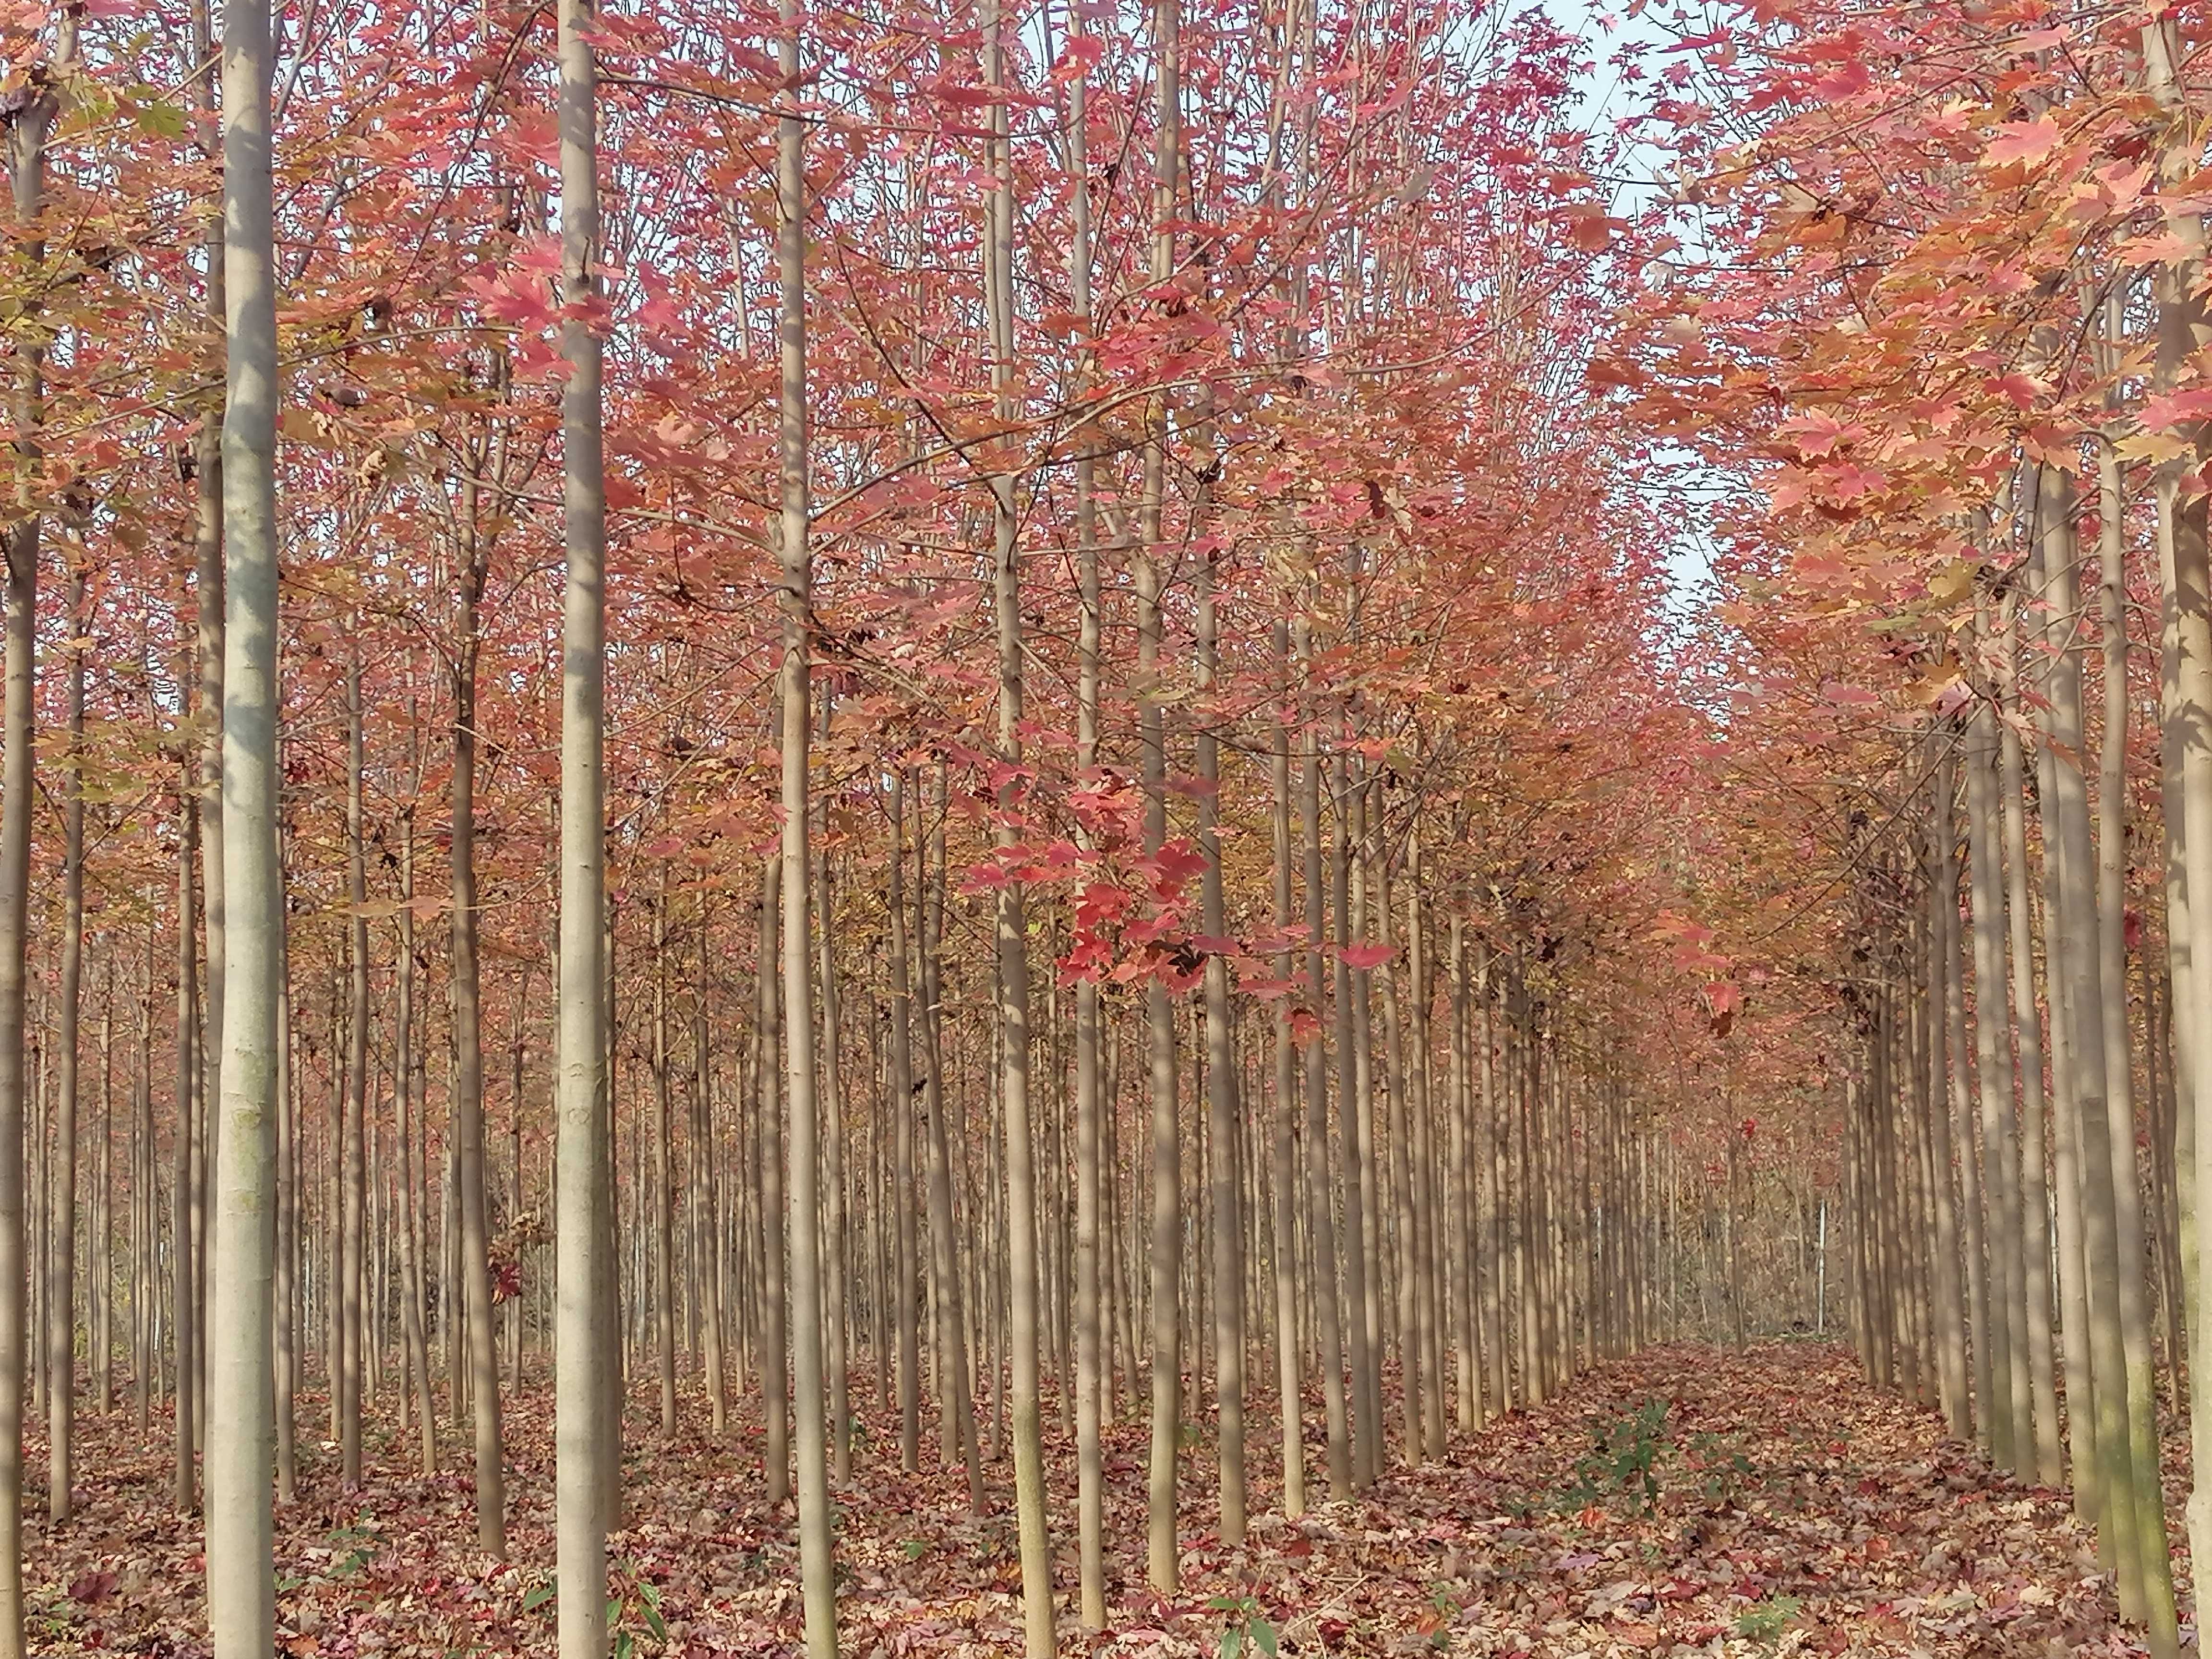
(465, 1105)
(241, 1430)
(2186, 703)
(2011, 1387)
(353, 1176)
(1321, 1214)
(1355, 1136)
(708, 1217)
(408, 1105)
(26, 161)
(904, 1181)
(1946, 1119)
(957, 1409)
(2034, 1201)
(208, 648)
(836, 1281)
(2110, 906)
(144, 1223)
(1283, 1165)
(1012, 918)
(183, 1311)
(103, 1267)
(1222, 1127)
(582, 1440)
(817, 1566)
(61, 1247)
(775, 1343)
(664, 1173)
(1093, 1361)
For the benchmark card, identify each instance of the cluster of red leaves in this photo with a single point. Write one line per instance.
(1797, 1512)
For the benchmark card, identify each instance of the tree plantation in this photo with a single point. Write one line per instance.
(1182, 827)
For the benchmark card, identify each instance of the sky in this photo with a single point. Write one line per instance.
(1605, 100)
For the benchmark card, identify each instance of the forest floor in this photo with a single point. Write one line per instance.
(1787, 1509)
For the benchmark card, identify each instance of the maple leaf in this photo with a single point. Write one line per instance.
(1849, 481)
(1818, 433)
(2168, 410)
(1587, 226)
(2023, 142)
(1173, 865)
(1844, 80)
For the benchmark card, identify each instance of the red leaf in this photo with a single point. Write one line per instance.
(2027, 142)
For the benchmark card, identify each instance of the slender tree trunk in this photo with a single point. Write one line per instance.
(1093, 1363)
(184, 1312)
(708, 1217)
(1422, 1150)
(2065, 1159)
(26, 161)
(836, 1280)
(2140, 1381)
(286, 1286)
(775, 1357)
(2034, 1201)
(1951, 1140)
(465, 1105)
(582, 1440)
(1495, 1195)
(1993, 1065)
(957, 1408)
(664, 1173)
(354, 1177)
(904, 1179)
(207, 645)
(241, 1428)
(1407, 1286)
(1463, 1206)
(1283, 1165)
(145, 1349)
(1162, 1562)
(1355, 1135)
(103, 1336)
(1321, 1214)
(408, 1105)
(817, 1566)
(61, 1248)
(1222, 1127)
(1012, 924)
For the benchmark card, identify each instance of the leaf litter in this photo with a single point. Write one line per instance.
(1747, 1504)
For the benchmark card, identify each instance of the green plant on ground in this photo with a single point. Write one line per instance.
(1720, 1464)
(635, 1603)
(351, 1549)
(1244, 1628)
(1435, 1623)
(1623, 1460)
(1766, 1622)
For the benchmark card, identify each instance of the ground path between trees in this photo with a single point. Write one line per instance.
(1788, 1509)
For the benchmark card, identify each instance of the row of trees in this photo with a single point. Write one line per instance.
(1079, 774)
(1947, 303)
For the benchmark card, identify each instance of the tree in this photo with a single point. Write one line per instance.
(817, 1566)
(241, 1425)
(584, 1433)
